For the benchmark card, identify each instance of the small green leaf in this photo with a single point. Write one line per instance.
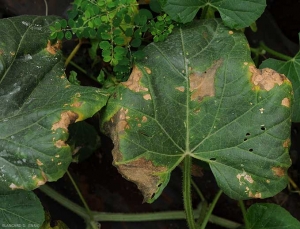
(129, 32)
(101, 77)
(60, 35)
(68, 35)
(119, 40)
(270, 216)
(71, 23)
(136, 42)
(120, 50)
(57, 25)
(127, 19)
(107, 59)
(73, 78)
(63, 23)
(105, 45)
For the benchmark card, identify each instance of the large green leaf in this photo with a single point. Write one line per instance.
(21, 209)
(198, 94)
(37, 105)
(270, 216)
(291, 69)
(235, 13)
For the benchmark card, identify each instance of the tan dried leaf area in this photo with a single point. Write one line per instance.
(66, 118)
(121, 120)
(133, 83)
(203, 84)
(144, 174)
(54, 48)
(278, 171)
(266, 78)
(286, 102)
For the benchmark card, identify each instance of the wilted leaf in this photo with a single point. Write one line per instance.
(270, 216)
(37, 104)
(21, 209)
(291, 69)
(235, 13)
(198, 94)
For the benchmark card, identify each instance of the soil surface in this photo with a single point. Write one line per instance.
(104, 188)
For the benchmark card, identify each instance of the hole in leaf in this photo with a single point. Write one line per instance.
(262, 127)
(213, 159)
(153, 194)
(159, 185)
(248, 134)
(245, 139)
(250, 150)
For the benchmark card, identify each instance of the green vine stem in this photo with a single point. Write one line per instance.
(210, 209)
(127, 217)
(198, 191)
(73, 53)
(274, 53)
(262, 49)
(244, 212)
(80, 195)
(186, 190)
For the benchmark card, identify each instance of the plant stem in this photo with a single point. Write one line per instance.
(80, 195)
(210, 209)
(64, 201)
(244, 212)
(127, 217)
(198, 191)
(186, 190)
(274, 53)
(73, 53)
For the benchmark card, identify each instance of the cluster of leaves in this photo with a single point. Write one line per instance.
(117, 28)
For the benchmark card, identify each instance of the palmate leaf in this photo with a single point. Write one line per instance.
(198, 94)
(37, 103)
(235, 13)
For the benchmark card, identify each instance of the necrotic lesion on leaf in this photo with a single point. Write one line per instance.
(144, 174)
(53, 48)
(66, 118)
(266, 79)
(133, 83)
(203, 84)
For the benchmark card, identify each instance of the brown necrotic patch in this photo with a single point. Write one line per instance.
(266, 79)
(278, 171)
(66, 118)
(181, 88)
(53, 48)
(285, 102)
(287, 143)
(133, 83)
(144, 174)
(203, 84)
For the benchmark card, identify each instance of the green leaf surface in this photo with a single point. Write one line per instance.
(199, 94)
(291, 69)
(37, 104)
(21, 209)
(270, 216)
(235, 13)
